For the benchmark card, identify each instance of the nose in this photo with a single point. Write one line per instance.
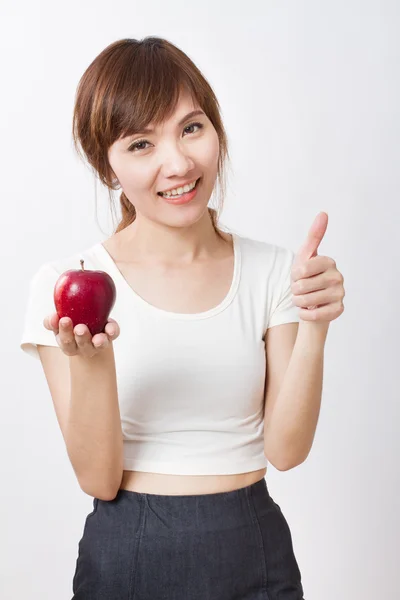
(176, 161)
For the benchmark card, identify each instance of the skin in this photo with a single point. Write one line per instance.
(161, 233)
(180, 235)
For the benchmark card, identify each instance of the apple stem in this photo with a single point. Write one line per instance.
(82, 261)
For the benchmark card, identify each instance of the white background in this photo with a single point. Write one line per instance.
(310, 98)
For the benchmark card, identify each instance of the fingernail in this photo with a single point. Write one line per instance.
(80, 331)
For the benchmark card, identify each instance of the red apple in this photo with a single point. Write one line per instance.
(85, 297)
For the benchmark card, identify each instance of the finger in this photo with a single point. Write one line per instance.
(100, 340)
(64, 323)
(314, 238)
(82, 335)
(48, 322)
(329, 312)
(66, 333)
(313, 266)
(309, 284)
(81, 329)
(112, 328)
(314, 299)
(83, 339)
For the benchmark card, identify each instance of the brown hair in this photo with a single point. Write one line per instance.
(128, 85)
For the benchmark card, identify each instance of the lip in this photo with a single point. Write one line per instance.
(175, 187)
(185, 198)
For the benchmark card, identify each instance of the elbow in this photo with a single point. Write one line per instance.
(282, 464)
(101, 483)
(278, 463)
(110, 496)
(289, 465)
(101, 490)
(285, 467)
(101, 493)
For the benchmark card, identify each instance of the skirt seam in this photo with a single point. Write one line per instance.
(135, 558)
(256, 522)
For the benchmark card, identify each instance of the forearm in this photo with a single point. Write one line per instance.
(294, 418)
(94, 434)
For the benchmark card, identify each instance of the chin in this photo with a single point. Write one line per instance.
(186, 217)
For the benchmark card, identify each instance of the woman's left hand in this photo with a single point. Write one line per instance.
(317, 285)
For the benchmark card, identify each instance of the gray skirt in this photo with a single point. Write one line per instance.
(224, 546)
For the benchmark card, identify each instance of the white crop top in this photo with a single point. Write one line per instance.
(190, 386)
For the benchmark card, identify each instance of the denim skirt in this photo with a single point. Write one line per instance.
(233, 545)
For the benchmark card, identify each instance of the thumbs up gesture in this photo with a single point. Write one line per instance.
(317, 285)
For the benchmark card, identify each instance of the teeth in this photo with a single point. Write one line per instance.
(180, 190)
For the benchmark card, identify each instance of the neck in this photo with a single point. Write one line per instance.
(146, 240)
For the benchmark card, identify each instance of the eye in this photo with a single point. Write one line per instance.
(136, 145)
(199, 125)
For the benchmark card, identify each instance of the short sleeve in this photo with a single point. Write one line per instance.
(40, 304)
(282, 309)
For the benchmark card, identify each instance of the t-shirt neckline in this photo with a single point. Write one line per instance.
(118, 276)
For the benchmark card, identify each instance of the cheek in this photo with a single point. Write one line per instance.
(210, 151)
(215, 146)
(137, 180)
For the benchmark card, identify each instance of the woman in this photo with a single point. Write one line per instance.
(167, 415)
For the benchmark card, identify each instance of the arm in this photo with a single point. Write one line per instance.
(294, 389)
(293, 404)
(93, 430)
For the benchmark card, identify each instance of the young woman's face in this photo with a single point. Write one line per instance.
(177, 152)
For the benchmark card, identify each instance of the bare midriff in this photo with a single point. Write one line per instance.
(173, 485)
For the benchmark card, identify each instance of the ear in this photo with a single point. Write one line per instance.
(112, 175)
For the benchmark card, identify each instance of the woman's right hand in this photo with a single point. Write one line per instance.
(84, 345)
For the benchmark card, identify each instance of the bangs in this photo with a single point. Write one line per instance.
(142, 90)
(131, 85)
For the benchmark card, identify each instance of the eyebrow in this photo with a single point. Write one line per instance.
(194, 113)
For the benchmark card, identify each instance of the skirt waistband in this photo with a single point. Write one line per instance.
(216, 511)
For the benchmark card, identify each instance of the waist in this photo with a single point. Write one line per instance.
(171, 485)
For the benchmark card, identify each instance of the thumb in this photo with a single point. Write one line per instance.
(314, 238)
